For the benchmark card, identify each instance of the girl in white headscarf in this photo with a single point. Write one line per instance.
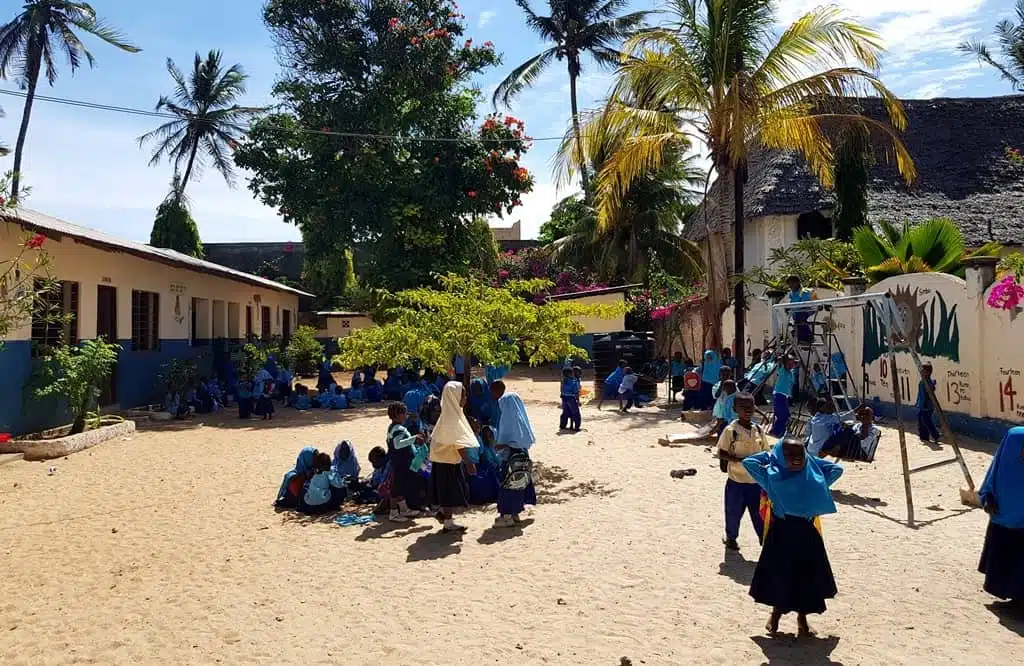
(450, 440)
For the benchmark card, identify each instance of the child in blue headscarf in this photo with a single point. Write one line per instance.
(243, 396)
(290, 493)
(709, 375)
(325, 490)
(793, 573)
(325, 379)
(513, 439)
(345, 462)
(1002, 496)
(785, 381)
(481, 404)
(485, 484)
(570, 394)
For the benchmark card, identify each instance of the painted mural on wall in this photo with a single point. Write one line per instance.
(932, 325)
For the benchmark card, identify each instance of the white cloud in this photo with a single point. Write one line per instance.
(486, 16)
(928, 91)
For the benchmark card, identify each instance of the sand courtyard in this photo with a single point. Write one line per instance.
(164, 548)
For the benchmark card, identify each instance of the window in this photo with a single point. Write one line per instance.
(813, 225)
(234, 325)
(200, 322)
(286, 326)
(220, 320)
(55, 317)
(265, 322)
(145, 320)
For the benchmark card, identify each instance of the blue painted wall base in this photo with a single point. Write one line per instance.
(983, 428)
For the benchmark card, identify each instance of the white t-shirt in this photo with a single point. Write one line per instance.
(628, 382)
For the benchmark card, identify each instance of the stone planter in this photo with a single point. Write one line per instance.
(45, 449)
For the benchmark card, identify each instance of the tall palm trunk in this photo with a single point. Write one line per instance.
(739, 298)
(188, 169)
(573, 74)
(35, 59)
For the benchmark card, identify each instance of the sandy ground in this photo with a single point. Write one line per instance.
(164, 549)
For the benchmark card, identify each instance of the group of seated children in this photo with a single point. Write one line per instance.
(703, 377)
(206, 397)
(411, 476)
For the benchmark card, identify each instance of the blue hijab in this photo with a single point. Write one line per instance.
(712, 363)
(804, 493)
(303, 466)
(494, 373)
(1004, 481)
(514, 425)
(414, 398)
(481, 402)
(345, 462)
(271, 366)
(325, 379)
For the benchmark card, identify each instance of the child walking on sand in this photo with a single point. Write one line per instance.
(740, 439)
(570, 393)
(785, 380)
(451, 440)
(793, 574)
(512, 442)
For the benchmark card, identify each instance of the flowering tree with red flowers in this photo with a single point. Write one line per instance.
(375, 143)
(24, 277)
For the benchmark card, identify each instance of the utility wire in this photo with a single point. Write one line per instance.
(170, 116)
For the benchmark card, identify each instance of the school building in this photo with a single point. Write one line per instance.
(157, 304)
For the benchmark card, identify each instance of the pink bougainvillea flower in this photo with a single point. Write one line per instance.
(35, 242)
(415, 41)
(1006, 295)
(469, 42)
(503, 275)
(393, 23)
(471, 194)
(488, 45)
(517, 202)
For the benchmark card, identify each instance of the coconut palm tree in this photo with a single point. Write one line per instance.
(206, 117)
(646, 222)
(933, 246)
(723, 78)
(1010, 37)
(43, 30)
(574, 27)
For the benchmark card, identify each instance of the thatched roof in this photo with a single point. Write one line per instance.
(959, 147)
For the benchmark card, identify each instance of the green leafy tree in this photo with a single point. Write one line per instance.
(934, 246)
(468, 317)
(178, 375)
(575, 28)
(372, 144)
(853, 159)
(569, 216)
(722, 71)
(817, 262)
(1010, 37)
(208, 118)
(174, 227)
(75, 374)
(1013, 263)
(37, 36)
(304, 352)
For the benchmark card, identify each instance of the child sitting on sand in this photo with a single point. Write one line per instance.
(292, 487)
(325, 490)
(793, 573)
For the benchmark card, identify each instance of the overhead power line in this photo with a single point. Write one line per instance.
(327, 132)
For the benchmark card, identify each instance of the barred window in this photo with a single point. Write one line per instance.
(145, 320)
(55, 315)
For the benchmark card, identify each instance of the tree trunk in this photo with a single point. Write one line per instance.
(579, 136)
(188, 171)
(739, 297)
(78, 425)
(34, 64)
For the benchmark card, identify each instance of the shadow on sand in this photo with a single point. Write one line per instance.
(787, 649)
(1010, 615)
(434, 545)
(737, 567)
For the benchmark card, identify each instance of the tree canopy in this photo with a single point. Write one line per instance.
(568, 216)
(469, 317)
(174, 227)
(373, 141)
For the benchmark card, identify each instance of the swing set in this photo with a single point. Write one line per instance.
(815, 343)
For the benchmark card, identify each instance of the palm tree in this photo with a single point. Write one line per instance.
(934, 246)
(723, 78)
(575, 27)
(1010, 36)
(646, 222)
(44, 29)
(206, 116)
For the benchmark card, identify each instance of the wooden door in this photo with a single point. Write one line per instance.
(106, 328)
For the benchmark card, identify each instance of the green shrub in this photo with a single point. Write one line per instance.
(76, 375)
(304, 351)
(177, 375)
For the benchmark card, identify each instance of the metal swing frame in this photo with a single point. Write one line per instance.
(784, 329)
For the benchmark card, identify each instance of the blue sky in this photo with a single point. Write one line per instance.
(86, 167)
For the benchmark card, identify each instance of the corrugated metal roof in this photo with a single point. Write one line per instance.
(37, 221)
(334, 313)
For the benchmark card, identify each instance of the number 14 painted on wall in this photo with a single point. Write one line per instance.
(1007, 395)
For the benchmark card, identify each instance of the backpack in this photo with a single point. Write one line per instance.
(723, 464)
(520, 472)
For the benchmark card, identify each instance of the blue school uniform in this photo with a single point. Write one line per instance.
(784, 382)
(820, 429)
(708, 378)
(612, 383)
(515, 433)
(243, 396)
(485, 485)
(802, 315)
(570, 395)
(1003, 493)
(303, 467)
(724, 406)
(926, 429)
(818, 381)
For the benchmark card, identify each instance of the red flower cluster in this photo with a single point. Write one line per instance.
(35, 242)
(488, 45)
(440, 32)
(394, 23)
(521, 174)
(469, 42)
(415, 41)
(471, 194)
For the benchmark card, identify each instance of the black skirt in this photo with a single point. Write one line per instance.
(448, 485)
(1002, 562)
(793, 573)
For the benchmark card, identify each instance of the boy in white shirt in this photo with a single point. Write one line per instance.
(627, 389)
(740, 439)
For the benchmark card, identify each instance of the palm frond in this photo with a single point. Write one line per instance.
(521, 77)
